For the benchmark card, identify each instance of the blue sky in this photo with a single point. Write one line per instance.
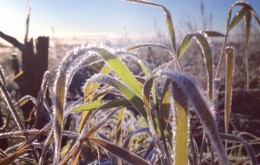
(106, 18)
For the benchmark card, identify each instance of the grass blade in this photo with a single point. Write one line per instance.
(88, 106)
(239, 15)
(8, 160)
(128, 93)
(207, 55)
(89, 91)
(140, 130)
(11, 105)
(121, 70)
(120, 152)
(248, 24)
(248, 148)
(228, 85)
(213, 33)
(202, 109)
(181, 138)
(168, 19)
(58, 113)
(90, 133)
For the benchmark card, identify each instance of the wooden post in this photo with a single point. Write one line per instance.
(41, 61)
(33, 66)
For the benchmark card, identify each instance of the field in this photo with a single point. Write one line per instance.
(166, 101)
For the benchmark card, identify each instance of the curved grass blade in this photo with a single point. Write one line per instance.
(89, 91)
(47, 144)
(128, 93)
(140, 130)
(24, 100)
(164, 110)
(248, 148)
(140, 61)
(202, 109)
(246, 9)
(228, 85)
(119, 152)
(138, 46)
(148, 86)
(168, 19)
(239, 15)
(121, 70)
(146, 99)
(213, 33)
(207, 55)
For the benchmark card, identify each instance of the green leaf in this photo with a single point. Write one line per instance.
(181, 138)
(89, 91)
(147, 104)
(88, 106)
(239, 15)
(119, 126)
(121, 71)
(102, 104)
(184, 44)
(185, 86)
(120, 152)
(201, 40)
(127, 92)
(181, 135)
